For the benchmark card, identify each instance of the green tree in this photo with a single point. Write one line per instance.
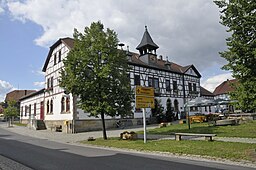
(96, 71)
(169, 111)
(11, 111)
(158, 110)
(239, 17)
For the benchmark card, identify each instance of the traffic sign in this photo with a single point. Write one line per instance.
(145, 91)
(145, 102)
(144, 98)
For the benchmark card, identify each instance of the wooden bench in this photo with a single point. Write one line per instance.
(208, 137)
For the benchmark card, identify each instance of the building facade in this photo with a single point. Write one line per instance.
(55, 107)
(221, 93)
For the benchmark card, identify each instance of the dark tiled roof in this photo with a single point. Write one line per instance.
(147, 41)
(160, 64)
(225, 87)
(32, 94)
(68, 41)
(205, 92)
(17, 94)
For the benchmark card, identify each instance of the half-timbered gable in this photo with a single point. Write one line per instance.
(58, 106)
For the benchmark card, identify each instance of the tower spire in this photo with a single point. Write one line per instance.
(147, 45)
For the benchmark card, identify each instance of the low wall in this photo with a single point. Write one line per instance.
(66, 125)
(88, 125)
(96, 124)
(24, 121)
(251, 116)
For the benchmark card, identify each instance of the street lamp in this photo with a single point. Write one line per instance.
(100, 63)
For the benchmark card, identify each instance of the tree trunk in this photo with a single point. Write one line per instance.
(8, 122)
(103, 126)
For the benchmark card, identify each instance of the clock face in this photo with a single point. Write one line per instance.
(180, 87)
(152, 58)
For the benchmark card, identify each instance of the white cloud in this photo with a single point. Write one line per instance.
(39, 84)
(187, 31)
(38, 72)
(1, 10)
(212, 82)
(5, 87)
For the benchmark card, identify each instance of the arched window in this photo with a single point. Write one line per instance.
(62, 104)
(48, 107)
(51, 108)
(176, 105)
(67, 105)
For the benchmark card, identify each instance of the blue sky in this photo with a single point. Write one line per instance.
(21, 58)
(188, 32)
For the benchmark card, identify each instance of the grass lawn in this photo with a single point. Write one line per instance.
(246, 130)
(226, 150)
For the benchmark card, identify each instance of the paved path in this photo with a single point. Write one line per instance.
(74, 138)
(67, 138)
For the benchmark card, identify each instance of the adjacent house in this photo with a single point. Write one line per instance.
(222, 91)
(56, 108)
(17, 94)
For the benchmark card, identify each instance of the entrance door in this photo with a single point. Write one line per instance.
(42, 111)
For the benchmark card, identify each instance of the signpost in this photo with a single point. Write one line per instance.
(144, 98)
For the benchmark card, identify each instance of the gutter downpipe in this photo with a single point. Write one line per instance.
(184, 101)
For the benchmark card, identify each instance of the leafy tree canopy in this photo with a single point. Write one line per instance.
(239, 17)
(96, 71)
(11, 110)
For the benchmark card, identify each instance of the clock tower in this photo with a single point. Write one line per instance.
(147, 48)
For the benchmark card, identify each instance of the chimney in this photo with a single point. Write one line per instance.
(167, 63)
(128, 54)
(160, 57)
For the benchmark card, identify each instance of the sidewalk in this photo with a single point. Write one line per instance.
(74, 138)
(69, 138)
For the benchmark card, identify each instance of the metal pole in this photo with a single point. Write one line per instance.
(188, 118)
(74, 115)
(144, 125)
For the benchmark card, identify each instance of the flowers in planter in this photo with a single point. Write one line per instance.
(128, 135)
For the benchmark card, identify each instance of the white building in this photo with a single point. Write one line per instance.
(54, 107)
(222, 93)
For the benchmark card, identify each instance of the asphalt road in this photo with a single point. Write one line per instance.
(43, 154)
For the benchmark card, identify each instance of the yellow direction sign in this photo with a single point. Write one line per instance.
(145, 91)
(145, 102)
